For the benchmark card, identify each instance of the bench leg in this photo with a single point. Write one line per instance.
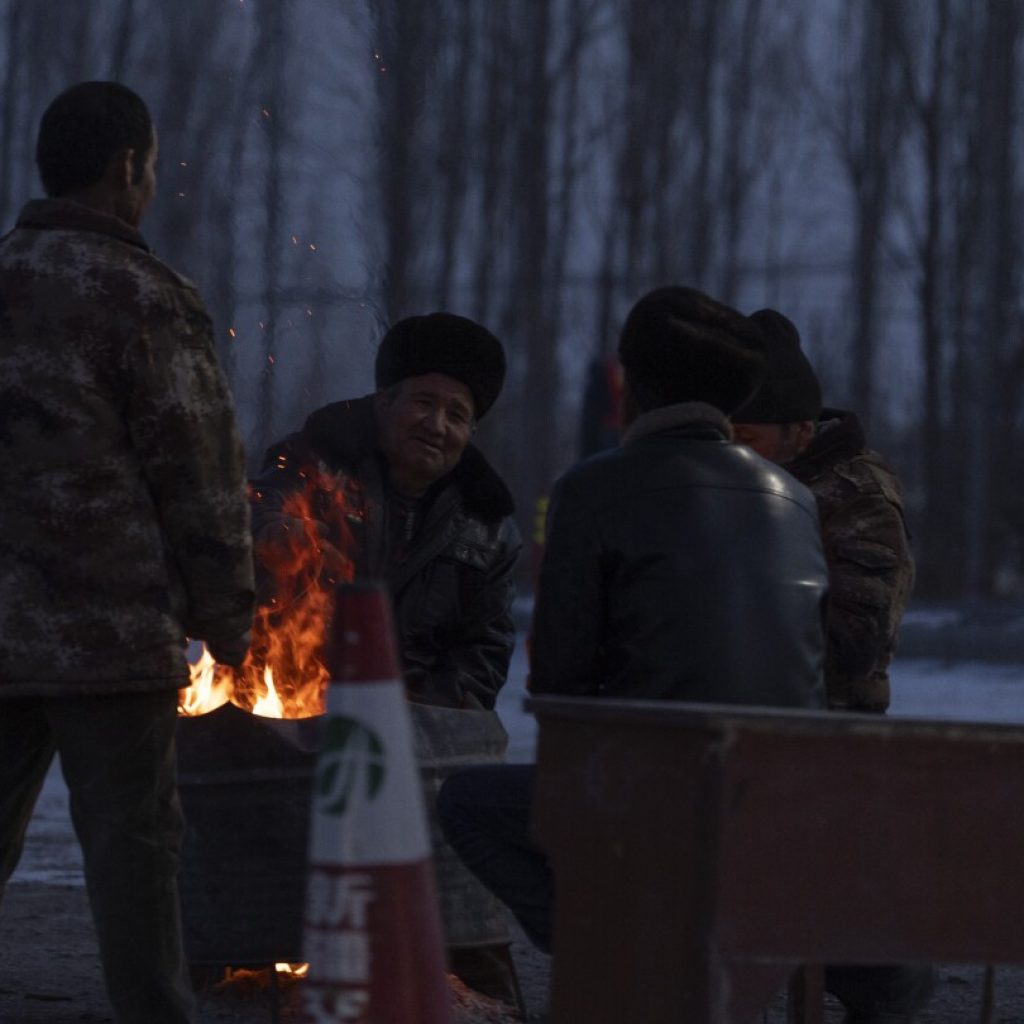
(806, 1002)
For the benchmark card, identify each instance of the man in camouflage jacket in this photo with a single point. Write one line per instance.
(860, 503)
(871, 573)
(124, 526)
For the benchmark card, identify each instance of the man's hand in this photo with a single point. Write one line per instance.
(289, 530)
(230, 651)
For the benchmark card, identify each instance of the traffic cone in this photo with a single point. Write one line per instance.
(373, 934)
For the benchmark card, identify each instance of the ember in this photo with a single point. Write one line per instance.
(284, 674)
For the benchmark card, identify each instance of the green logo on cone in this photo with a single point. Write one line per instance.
(351, 763)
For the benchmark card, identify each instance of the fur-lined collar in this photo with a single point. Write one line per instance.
(700, 419)
(344, 433)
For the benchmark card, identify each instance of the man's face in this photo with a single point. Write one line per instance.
(425, 424)
(778, 442)
(140, 193)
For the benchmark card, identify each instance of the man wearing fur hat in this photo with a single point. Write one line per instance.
(678, 566)
(871, 573)
(423, 510)
(426, 511)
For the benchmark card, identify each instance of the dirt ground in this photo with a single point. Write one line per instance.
(50, 974)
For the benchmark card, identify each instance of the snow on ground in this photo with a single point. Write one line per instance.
(965, 691)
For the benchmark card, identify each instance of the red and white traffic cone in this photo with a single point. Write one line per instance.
(373, 934)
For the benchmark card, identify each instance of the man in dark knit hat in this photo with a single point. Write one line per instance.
(871, 573)
(401, 493)
(860, 500)
(678, 566)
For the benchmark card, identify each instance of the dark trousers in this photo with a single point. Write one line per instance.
(118, 760)
(872, 992)
(485, 816)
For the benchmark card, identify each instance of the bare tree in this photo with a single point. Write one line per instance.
(993, 327)
(925, 53)
(405, 59)
(871, 118)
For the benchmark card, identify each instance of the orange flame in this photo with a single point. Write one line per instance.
(283, 675)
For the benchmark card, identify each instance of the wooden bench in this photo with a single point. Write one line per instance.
(702, 853)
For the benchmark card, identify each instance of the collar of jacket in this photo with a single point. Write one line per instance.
(839, 436)
(345, 432)
(698, 419)
(67, 214)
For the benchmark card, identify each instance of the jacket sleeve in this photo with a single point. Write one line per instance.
(476, 663)
(181, 422)
(567, 619)
(871, 573)
(278, 478)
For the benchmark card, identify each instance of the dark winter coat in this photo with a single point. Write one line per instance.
(124, 523)
(453, 588)
(684, 567)
(871, 569)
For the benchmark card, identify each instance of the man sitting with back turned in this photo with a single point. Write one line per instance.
(678, 566)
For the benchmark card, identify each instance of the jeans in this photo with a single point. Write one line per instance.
(485, 816)
(118, 760)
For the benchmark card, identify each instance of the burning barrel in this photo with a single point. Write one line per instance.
(245, 782)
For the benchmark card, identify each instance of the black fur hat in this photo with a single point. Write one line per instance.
(790, 391)
(448, 344)
(680, 345)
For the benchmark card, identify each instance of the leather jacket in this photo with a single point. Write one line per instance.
(681, 566)
(452, 586)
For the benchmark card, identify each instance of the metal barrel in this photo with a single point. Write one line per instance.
(245, 785)
(447, 739)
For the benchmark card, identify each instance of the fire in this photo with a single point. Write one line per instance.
(296, 970)
(283, 675)
(244, 980)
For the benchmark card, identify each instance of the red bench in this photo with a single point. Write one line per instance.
(703, 852)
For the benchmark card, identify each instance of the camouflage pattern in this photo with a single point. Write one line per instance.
(871, 569)
(124, 523)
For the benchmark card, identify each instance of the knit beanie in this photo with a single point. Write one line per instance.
(680, 345)
(448, 344)
(790, 392)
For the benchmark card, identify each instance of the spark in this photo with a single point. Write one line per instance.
(184, 163)
(265, 112)
(312, 247)
(231, 331)
(309, 312)
(180, 195)
(295, 239)
(260, 322)
(270, 359)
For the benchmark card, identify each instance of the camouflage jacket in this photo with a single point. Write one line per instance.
(871, 570)
(123, 513)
